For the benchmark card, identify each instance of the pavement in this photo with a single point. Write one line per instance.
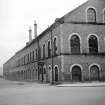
(79, 84)
(4, 83)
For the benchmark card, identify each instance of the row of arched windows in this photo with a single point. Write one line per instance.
(92, 15)
(49, 48)
(75, 44)
(76, 72)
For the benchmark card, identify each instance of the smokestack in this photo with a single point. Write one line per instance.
(35, 29)
(30, 34)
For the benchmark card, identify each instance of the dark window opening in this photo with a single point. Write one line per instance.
(49, 49)
(75, 44)
(93, 44)
(55, 46)
(44, 51)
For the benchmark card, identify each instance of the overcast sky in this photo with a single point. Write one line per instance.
(17, 15)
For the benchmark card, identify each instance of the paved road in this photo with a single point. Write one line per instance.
(14, 93)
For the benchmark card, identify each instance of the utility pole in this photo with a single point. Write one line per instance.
(52, 82)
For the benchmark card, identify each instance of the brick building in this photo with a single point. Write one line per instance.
(71, 49)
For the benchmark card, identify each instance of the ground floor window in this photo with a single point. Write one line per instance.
(50, 73)
(56, 73)
(76, 74)
(94, 73)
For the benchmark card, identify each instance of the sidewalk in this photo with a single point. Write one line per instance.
(77, 84)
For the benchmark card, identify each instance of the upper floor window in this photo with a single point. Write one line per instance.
(28, 58)
(33, 56)
(75, 44)
(36, 51)
(91, 15)
(49, 48)
(39, 53)
(24, 60)
(44, 51)
(55, 46)
(93, 44)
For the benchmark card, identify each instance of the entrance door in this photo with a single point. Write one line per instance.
(76, 74)
(94, 73)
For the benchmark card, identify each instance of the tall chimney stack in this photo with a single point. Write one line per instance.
(30, 34)
(35, 29)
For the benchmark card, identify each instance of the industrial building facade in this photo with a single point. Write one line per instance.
(72, 49)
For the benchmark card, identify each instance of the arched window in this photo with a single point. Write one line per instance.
(33, 74)
(39, 52)
(36, 53)
(76, 74)
(33, 56)
(94, 73)
(49, 48)
(50, 73)
(50, 68)
(91, 15)
(55, 46)
(56, 73)
(75, 44)
(44, 51)
(93, 44)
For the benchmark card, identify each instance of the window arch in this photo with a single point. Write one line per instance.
(55, 46)
(75, 43)
(91, 15)
(93, 44)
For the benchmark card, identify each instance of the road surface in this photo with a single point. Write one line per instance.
(15, 93)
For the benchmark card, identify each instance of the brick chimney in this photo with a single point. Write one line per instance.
(30, 34)
(35, 29)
